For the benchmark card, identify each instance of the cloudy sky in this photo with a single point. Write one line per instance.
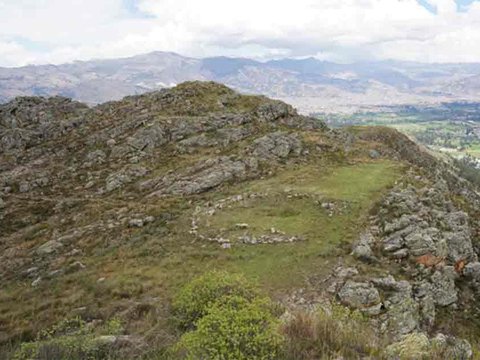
(58, 31)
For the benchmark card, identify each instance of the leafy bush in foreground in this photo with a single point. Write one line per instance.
(197, 297)
(234, 329)
(227, 319)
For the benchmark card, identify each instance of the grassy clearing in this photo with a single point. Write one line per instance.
(282, 266)
(474, 150)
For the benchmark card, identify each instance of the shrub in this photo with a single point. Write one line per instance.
(196, 298)
(234, 329)
(70, 339)
(226, 319)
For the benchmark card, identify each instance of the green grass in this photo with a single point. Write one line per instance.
(445, 136)
(441, 134)
(474, 150)
(293, 216)
(355, 189)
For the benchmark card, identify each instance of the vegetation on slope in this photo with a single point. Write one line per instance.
(74, 248)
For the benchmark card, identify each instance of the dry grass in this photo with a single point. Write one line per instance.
(325, 335)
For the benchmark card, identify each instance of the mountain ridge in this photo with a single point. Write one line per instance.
(310, 84)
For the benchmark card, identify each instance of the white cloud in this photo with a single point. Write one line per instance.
(344, 30)
(11, 53)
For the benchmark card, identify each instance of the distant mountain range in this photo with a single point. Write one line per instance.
(310, 84)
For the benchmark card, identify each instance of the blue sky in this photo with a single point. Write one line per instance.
(461, 4)
(57, 31)
(132, 7)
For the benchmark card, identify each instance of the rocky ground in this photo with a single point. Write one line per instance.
(105, 211)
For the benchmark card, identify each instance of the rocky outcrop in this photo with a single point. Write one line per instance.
(275, 146)
(424, 222)
(124, 176)
(29, 121)
(204, 176)
(360, 295)
(49, 247)
(211, 173)
(420, 231)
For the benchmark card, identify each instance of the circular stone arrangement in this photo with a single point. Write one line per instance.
(274, 236)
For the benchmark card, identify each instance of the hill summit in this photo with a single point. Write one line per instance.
(107, 211)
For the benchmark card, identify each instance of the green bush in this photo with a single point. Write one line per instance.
(226, 319)
(196, 298)
(70, 339)
(234, 329)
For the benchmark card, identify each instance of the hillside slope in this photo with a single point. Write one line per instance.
(106, 211)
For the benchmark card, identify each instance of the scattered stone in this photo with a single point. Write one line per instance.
(74, 252)
(80, 309)
(400, 254)
(374, 154)
(49, 247)
(31, 271)
(275, 231)
(106, 339)
(24, 187)
(55, 273)
(269, 239)
(118, 342)
(136, 223)
(76, 266)
(362, 248)
(359, 295)
(345, 272)
(149, 219)
(328, 205)
(36, 282)
(96, 157)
